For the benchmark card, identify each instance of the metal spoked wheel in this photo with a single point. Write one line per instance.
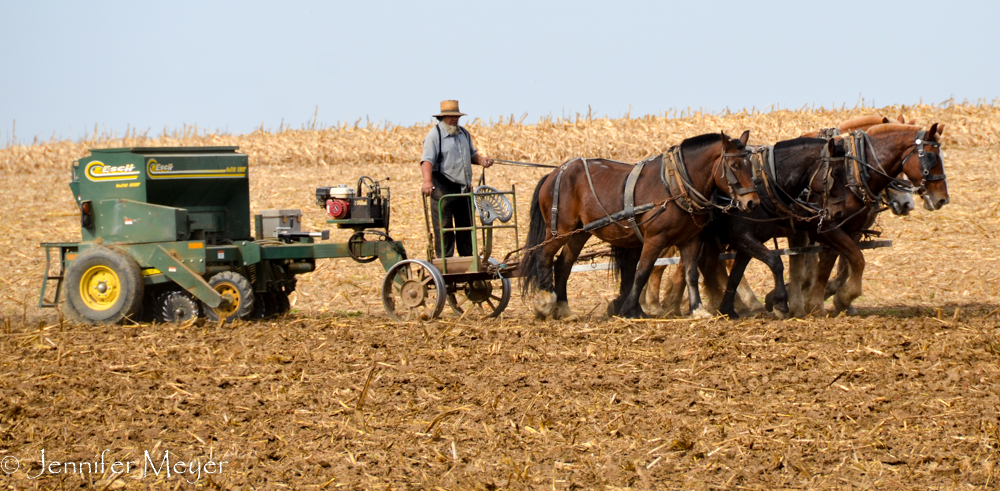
(177, 306)
(413, 290)
(480, 299)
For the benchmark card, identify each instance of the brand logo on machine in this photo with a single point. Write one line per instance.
(99, 171)
(156, 170)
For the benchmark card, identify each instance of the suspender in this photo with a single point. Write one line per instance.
(440, 156)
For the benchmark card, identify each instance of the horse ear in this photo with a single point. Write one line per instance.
(940, 129)
(745, 137)
(933, 131)
(898, 118)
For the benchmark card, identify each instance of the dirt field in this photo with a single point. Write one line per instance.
(333, 395)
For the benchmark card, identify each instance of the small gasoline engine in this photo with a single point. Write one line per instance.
(363, 207)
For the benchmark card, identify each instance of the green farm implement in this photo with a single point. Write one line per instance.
(166, 234)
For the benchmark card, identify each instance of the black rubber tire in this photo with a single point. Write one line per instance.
(113, 270)
(236, 285)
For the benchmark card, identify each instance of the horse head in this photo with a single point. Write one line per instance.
(734, 173)
(921, 162)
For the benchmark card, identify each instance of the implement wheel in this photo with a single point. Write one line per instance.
(413, 290)
(178, 307)
(237, 297)
(482, 298)
(104, 287)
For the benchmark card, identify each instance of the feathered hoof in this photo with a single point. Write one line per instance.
(654, 310)
(562, 312)
(545, 303)
(701, 313)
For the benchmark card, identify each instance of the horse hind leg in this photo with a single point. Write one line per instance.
(800, 268)
(650, 299)
(563, 267)
(545, 300)
(746, 300)
(673, 295)
(625, 262)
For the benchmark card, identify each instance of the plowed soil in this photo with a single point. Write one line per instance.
(333, 395)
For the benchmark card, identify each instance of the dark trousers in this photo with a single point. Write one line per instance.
(456, 212)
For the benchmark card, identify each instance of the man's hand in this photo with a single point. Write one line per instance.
(427, 188)
(487, 162)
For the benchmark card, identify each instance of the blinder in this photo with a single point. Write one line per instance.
(928, 160)
(731, 179)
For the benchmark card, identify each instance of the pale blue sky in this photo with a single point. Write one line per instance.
(232, 66)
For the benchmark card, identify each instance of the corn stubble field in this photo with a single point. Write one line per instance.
(334, 395)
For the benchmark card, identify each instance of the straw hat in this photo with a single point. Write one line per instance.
(449, 108)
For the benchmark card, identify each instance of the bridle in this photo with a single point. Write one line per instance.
(928, 161)
(732, 181)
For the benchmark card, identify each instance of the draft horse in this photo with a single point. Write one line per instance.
(639, 209)
(875, 157)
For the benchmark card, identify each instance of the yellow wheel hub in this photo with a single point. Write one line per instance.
(230, 299)
(100, 288)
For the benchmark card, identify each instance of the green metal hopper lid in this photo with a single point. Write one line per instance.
(167, 149)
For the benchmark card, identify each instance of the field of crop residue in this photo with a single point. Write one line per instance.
(336, 396)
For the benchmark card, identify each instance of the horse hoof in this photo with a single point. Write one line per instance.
(701, 313)
(563, 313)
(852, 311)
(733, 315)
(545, 302)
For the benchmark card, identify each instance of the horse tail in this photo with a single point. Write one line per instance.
(621, 256)
(531, 261)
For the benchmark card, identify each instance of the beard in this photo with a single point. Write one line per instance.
(452, 130)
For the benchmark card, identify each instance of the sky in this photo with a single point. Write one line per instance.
(68, 68)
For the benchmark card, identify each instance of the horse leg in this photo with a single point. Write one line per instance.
(647, 259)
(843, 272)
(801, 267)
(714, 275)
(849, 251)
(674, 294)
(545, 300)
(814, 304)
(735, 276)
(689, 258)
(650, 299)
(626, 260)
(746, 301)
(563, 267)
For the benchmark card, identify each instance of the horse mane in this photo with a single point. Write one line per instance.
(860, 121)
(702, 140)
(890, 127)
(796, 142)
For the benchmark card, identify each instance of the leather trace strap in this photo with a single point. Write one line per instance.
(555, 199)
(630, 182)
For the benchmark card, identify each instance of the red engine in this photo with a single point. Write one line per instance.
(338, 208)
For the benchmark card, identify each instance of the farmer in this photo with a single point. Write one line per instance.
(447, 169)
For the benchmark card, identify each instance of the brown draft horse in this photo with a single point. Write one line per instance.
(712, 162)
(892, 148)
(802, 268)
